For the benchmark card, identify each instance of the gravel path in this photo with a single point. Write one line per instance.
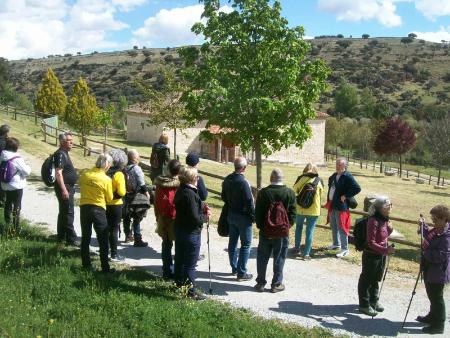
(319, 292)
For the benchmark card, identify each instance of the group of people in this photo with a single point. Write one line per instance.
(114, 190)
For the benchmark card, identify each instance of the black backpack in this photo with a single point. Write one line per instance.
(305, 197)
(130, 180)
(48, 172)
(360, 233)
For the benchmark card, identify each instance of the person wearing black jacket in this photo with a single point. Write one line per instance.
(278, 247)
(237, 194)
(191, 213)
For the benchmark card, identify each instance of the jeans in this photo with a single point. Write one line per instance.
(94, 215)
(372, 272)
(114, 217)
(310, 226)
(340, 238)
(187, 248)
(266, 247)
(240, 227)
(165, 231)
(435, 293)
(13, 205)
(127, 221)
(65, 229)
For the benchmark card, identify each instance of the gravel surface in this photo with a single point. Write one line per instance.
(319, 292)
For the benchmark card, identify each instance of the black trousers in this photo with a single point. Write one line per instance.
(92, 215)
(372, 272)
(114, 217)
(13, 205)
(65, 229)
(435, 293)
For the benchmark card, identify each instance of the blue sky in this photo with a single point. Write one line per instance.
(36, 28)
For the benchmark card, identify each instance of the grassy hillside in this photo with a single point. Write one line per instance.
(399, 74)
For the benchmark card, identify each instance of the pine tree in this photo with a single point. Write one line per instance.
(50, 97)
(82, 112)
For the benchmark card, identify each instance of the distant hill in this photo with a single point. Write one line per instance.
(402, 75)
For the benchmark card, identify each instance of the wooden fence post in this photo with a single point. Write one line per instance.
(418, 174)
(15, 113)
(35, 118)
(443, 183)
(104, 147)
(45, 132)
(429, 180)
(407, 173)
(56, 137)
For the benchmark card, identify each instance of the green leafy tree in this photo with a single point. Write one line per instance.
(252, 77)
(165, 105)
(82, 112)
(4, 73)
(106, 118)
(346, 100)
(50, 97)
(368, 103)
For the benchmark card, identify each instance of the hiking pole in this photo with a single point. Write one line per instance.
(385, 272)
(419, 275)
(209, 256)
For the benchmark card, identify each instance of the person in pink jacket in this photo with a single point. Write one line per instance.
(374, 256)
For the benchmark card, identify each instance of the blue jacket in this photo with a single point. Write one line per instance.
(346, 186)
(236, 192)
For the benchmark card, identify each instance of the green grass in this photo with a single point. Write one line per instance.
(45, 293)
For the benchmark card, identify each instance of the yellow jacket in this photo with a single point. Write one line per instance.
(119, 188)
(95, 188)
(314, 209)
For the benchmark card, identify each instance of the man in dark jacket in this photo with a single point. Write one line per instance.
(160, 157)
(341, 187)
(275, 192)
(66, 177)
(236, 192)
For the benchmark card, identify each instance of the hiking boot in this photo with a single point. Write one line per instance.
(129, 238)
(368, 311)
(140, 243)
(259, 287)
(377, 307)
(424, 319)
(333, 247)
(247, 276)
(342, 254)
(195, 294)
(434, 329)
(233, 272)
(117, 258)
(277, 288)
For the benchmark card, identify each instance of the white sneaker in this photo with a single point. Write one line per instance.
(342, 253)
(333, 247)
(117, 258)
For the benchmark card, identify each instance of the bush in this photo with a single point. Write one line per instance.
(132, 53)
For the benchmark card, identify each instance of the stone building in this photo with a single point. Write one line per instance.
(221, 149)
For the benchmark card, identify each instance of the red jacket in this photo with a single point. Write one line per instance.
(378, 231)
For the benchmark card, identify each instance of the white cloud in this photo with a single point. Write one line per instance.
(442, 34)
(384, 11)
(433, 8)
(171, 27)
(36, 28)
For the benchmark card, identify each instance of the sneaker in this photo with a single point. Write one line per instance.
(117, 258)
(377, 307)
(333, 247)
(306, 258)
(424, 319)
(342, 253)
(247, 276)
(140, 244)
(434, 329)
(233, 272)
(368, 311)
(196, 295)
(277, 288)
(129, 238)
(259, 287)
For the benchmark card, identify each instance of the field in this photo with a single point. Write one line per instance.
(408, 198)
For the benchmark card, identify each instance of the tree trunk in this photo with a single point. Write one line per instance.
(439, 176)
(174, 142)
(258, 165)
(400, 173)
(381, 166)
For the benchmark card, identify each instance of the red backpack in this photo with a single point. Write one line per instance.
(276, 224)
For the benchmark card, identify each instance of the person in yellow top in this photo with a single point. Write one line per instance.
(95, 191)
(114, 208)
(311, 213)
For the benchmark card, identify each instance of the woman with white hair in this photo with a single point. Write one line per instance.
(374, 256)
(114, 208)
(95, 192)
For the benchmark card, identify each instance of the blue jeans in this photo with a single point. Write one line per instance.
(266, 247)
(340, 238)
(128, 222)
(187, 248)
(310, 226)
(240, 227)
